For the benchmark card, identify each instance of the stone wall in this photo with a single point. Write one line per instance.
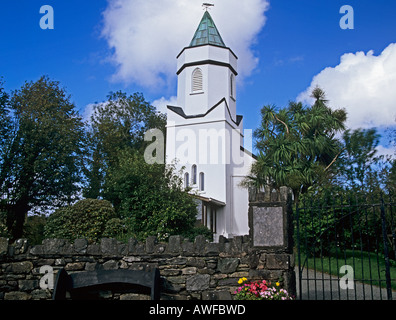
(189, 270)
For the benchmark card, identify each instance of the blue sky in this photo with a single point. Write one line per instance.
(285, 47)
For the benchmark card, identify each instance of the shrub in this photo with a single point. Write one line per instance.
(34, 229)
(3, 225)
(85, 219)
(199, 230)
(150, 198)
(115, 228)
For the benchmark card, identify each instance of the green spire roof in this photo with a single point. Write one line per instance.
(207, 33)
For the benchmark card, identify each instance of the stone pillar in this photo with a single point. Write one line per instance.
(270, 221)
(271, 231)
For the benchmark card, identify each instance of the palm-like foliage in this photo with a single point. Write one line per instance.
(297, 144)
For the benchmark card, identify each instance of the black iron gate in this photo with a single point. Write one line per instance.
(345, 248)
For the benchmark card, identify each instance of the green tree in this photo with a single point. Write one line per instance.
(391, 178)
(358, 164)
(5, 121)
(87, 219)
(390, 175)
(296, 145)
(5, 135)
(150, 198)
(116, 125)
(39, 166)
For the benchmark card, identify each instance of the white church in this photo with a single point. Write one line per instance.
(205, 136)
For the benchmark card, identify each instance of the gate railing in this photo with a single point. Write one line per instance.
(346, 247)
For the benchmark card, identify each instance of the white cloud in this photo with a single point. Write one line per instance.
(88, 111)
(147, 35)
(363, 84)
(386, 151)
(160, 104)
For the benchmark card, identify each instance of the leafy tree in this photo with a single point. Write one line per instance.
(356, 165)
(391, 179)
(39, 166)
(5, 128)
(5, 121)
(116, 228)
(150, 198)
(296, 145)
(87, 219)
(390, 175)
(116, 125)
(336, 211)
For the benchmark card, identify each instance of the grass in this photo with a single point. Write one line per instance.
(368, 266)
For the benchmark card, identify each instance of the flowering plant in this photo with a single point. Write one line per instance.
(260, 290)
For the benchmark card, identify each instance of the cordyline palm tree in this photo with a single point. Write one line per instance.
(297, 145)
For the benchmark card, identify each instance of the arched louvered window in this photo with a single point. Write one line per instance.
(197, 80)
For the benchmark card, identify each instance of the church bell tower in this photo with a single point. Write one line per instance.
(206, 71)
(205, 134)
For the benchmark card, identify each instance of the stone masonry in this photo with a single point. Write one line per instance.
(189, 270)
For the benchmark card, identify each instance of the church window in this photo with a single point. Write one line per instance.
(194, 174)
(201, 181)
(196, 80)
(232, 86)
(186, 180)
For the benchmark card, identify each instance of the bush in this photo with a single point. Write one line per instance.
(115, 228)
(34, 229)
(197, 231)
(150, 198)
(85, 219)
(3, 226)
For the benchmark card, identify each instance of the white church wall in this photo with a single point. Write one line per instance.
(216, 86)
(239, 210)
(240, 195)
(181, 90)
(219, 84)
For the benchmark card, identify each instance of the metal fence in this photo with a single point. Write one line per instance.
(345, 248)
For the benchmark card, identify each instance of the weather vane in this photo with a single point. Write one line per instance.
(207, 5)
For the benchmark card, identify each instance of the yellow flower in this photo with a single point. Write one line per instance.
(241, 280)
(277, 284)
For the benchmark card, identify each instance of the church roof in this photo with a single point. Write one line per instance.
(180, 112)
(207, 33)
